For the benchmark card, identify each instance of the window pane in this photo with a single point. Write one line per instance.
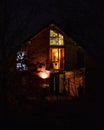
(61, 41)
(56, 38)
(53, 34)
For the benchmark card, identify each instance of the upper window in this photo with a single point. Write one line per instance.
(21, 58)
(56, 38)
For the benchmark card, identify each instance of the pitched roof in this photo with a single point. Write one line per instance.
(55, 27)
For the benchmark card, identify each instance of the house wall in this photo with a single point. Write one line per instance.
(38, 48)
(70, 57)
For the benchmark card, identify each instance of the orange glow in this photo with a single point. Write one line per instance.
(57, 57)
(44, 74)
(56, 54)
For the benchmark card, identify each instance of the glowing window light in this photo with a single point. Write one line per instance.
(56, 38)
(56, 54)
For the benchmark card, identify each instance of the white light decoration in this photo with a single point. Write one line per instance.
(20, 61)
(20, 55)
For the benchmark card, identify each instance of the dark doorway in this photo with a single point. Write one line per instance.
(54, 83)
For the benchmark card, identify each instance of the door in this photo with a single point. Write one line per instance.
(54, 83)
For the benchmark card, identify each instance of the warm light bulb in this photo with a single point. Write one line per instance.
(43, 75)
(56, 54)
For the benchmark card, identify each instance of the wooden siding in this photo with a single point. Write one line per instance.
(38, 48)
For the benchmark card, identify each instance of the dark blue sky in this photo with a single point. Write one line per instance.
(82, 20)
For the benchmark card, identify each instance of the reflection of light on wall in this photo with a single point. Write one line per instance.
(43, 68)
(76, 79)
(43, 73)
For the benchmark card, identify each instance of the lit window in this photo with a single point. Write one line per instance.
(61, 41)
(57, 57)
(56, 38)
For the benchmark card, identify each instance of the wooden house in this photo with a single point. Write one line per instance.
(54, 63)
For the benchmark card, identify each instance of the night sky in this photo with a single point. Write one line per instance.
(83, 20)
